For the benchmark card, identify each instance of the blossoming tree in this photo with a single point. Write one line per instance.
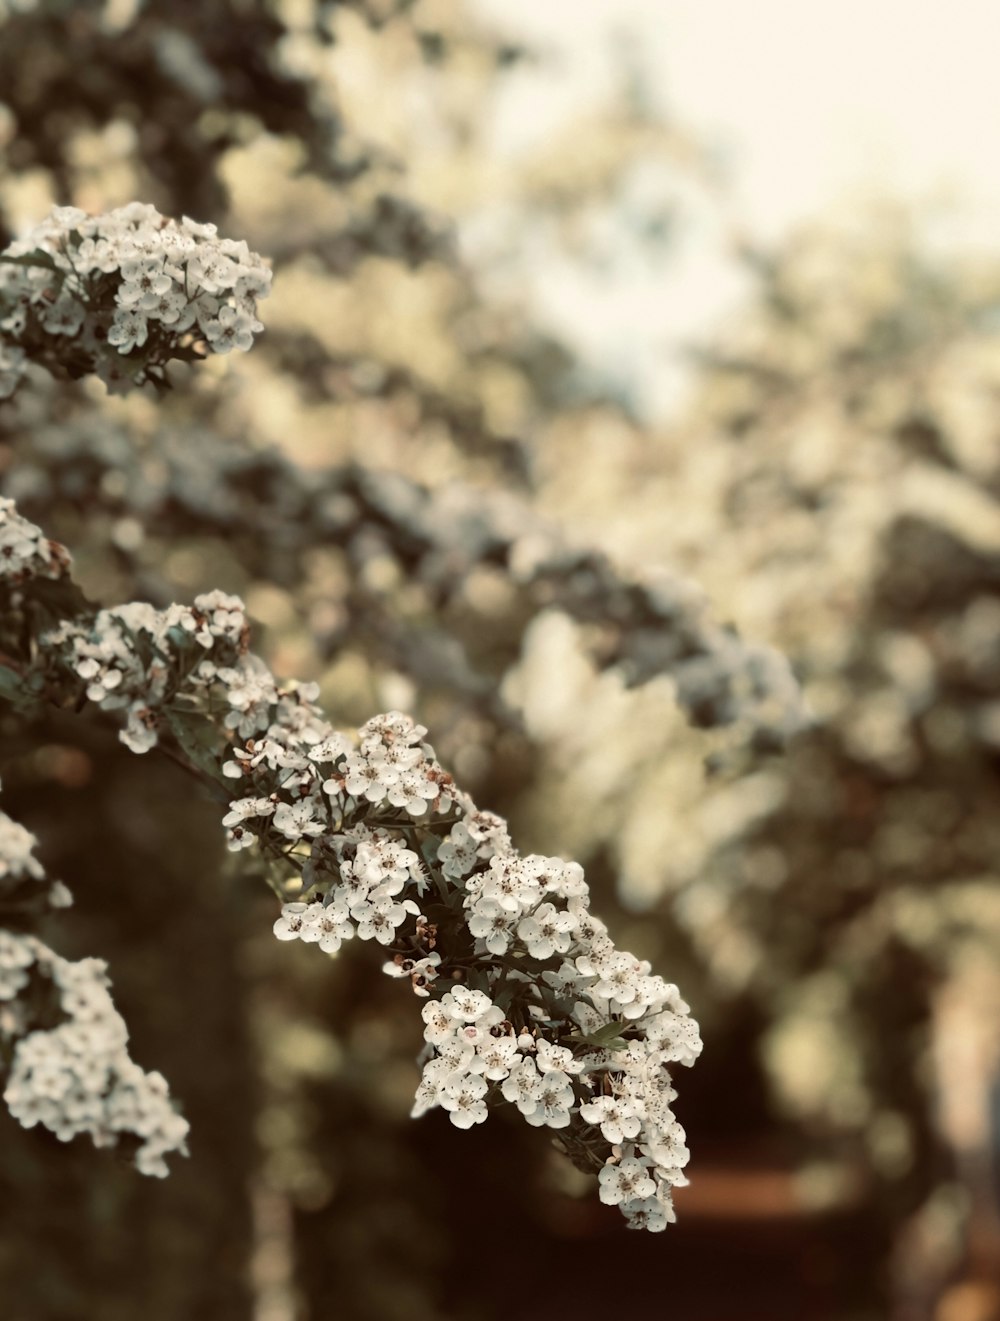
(369, 480)
(526, 1000)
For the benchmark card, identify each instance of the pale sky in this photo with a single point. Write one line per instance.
(810, 103)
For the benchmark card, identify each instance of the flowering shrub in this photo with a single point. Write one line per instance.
(376, 841)
(526, 999)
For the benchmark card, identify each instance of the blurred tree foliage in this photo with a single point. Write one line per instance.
(836, 483)
(832, 915)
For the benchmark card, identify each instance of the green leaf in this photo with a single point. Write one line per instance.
(61, 598)
(616, 1043)
(11, 684)
(558, 1006)
(18, 690)
(504, 997)
(607, 1036)
(478, 980)
(198, 739)
(526, 964)
(37, 257)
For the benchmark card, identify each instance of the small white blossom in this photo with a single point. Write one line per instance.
(294, 919)
(494, 925)
(546, 931)
(616, 1119)
(466, 1004)
(296, 820)
(523, 1087)
(553, 1103)
(625, 1181)
(462, 1096)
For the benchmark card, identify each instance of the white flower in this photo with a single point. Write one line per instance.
(466, 1005)
(495, 1056)
(617, 1119)
(620, 977)
(523, 1087)
(294, 920)
(65, 316)
(223, 616)
(333, 926)
(170, 307)
(209, 268)
(140, 732)
(144, 281)
(567, 881)
(552, 1058)
(676, 1036)
(243, 809)
(231, 328)
(429, 1090)
(439, 1022)
(546, 931)
(492, 924)
(625, 1182)
(16, 845)
(462, 1096)
(250, 692)
(367, 779)
(589, 931)
(457, 855)
(421, 972)
(650, 1213)
(513, 882)
(413, 791)
(666, 1148)
(330, 749)
(129, 331)
(554, 1102)
(295, 820)
(379, 916)
(16, 956)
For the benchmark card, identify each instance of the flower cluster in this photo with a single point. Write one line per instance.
(24, 886)
(69, 1067)
(529, 1002)
(585, 1033)
(24, 551)
(574, 1033)
(121, 294)
(17, 859)
(374, 869)
(121, 674)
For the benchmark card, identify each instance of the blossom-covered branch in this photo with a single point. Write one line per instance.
(528, 1001)
(273, 513)
(122, 294)
(63, 1044)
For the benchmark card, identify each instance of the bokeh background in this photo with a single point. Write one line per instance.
(710, 291)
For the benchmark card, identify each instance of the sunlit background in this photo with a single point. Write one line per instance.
(800, 112)
(715, 287)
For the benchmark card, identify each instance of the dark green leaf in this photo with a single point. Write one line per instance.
(11, 684)
(34, 258)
